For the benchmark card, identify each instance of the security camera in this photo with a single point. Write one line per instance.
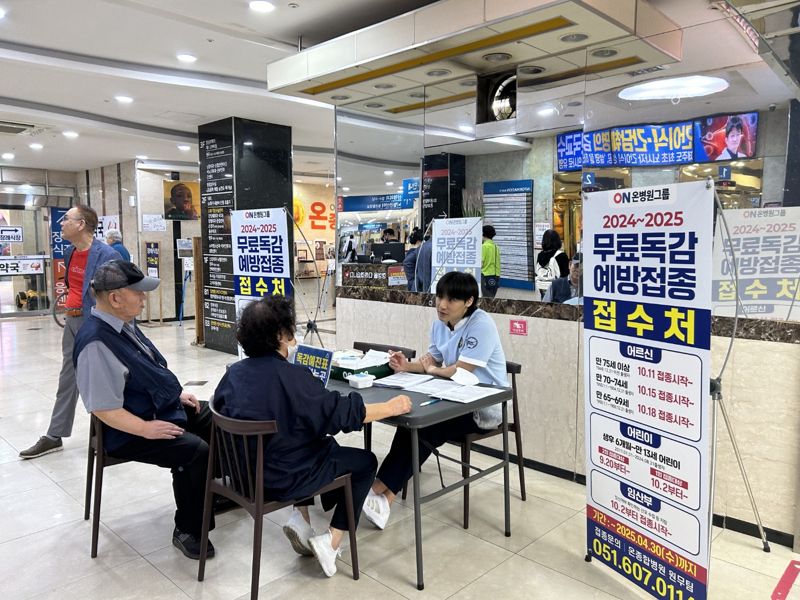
(772, 107)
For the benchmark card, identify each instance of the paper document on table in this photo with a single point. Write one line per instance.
(467, 393)
(402, 381)
(373, 358)
(434, 387)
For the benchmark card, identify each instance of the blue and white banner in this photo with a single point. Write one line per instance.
(647, 339)
(372, 203)
(316, 360)
(456, 247)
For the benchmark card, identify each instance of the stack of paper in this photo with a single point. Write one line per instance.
(403, 381)
(467, 393)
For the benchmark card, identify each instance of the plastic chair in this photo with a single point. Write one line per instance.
(97, 461)
(243, 482)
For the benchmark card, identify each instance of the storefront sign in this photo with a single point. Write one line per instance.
(518, 327)
(260, 255)
(369, 203)
(411, 188)
(104, 223)
(647, 339)
(11, 234)
(152, 258)
(508, 207)
(456, 247)
(58, 247)
(639, 145)
(372, 226)
(396, 276)
(316, 360)
(766, 245)
(569, 150)
(22, 265)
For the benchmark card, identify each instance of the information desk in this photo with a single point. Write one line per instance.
(423, 416)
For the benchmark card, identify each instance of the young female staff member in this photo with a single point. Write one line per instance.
(463, 336)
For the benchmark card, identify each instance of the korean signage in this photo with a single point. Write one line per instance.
(456, 247)
(317, 360)
(22, 265)
(104, 223)
(58, 248)
(766, 245)
(368, 203)
(647, 339)
(569, 150)
(152, 258)
(411, 188)
(11, 234)
(260, 255)
(508, 207)
(372, 226)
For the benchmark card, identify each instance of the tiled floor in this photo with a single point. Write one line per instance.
(44, 541)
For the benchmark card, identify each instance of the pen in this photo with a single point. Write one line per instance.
(431, 401)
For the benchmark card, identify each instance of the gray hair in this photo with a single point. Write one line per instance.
(114, 235)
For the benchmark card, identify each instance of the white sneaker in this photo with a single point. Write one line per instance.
(299, 532)
(326, 555)
(376, 508)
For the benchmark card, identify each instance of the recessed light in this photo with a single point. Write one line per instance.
(2, 14)
(418, 95)
(383, 86)
(298, 181)
(531, 70)
(70, 134)
(141, 157)
(248, 143)
(261, 6)
(604, 53)
(340, 97)
(390, 183)
(496, 57)
(468, 83)
(35, 146)
(184, 147)
(338, 179)
(345, 189)
(229, 176)
(674, 87)
(123, 99)
(546, 112)
(186, 58)
(388, 173)
(438, 72)
(374, 105)
(572, 38)
(8, 156)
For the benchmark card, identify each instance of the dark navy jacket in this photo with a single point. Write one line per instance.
(151, 391)
(561, 290)
(296, 458)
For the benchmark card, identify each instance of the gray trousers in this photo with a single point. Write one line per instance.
(67, 395)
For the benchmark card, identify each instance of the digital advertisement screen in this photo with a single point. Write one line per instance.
(725, 137)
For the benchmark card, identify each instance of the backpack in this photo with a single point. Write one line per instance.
(546, 275)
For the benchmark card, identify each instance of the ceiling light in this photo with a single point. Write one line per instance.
(26, 186)
(572, 38)
(340, 97)
(531, 70)
(387, 173)
(438, 72)
(338, 179)
(298, 181)
(383, 86)
(390, 183)
(123, 99)
(546, 112)
(604, 53)
(418, 95)
(468, 83)
(35, 146)
(229, 175)
(70, 134)
(184, 147)
(2, 14)
(675, 87)
(345, 189)
(261, 6)
(496, 57)
(141, 157)
(248, 143)
(374, 105)
(186, 58)
(8, 156)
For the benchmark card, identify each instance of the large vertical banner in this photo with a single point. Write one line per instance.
(456, 247)
(260, 255)
(647, 336)
(508, 207)
(58, 248)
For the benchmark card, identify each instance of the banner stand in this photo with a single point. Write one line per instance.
(152, 269)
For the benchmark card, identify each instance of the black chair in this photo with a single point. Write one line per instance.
(98, 460)
(466, 442)
(243, 483)
(366, 347)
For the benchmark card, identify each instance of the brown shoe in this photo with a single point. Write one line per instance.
(45, 445)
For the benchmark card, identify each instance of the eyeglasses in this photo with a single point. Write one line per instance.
(66, 218)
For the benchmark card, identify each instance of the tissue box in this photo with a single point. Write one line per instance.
(360, 380)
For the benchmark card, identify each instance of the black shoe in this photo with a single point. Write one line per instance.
(222, 504)
(190, 544)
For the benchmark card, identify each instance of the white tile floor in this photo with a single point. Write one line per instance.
(44, 541)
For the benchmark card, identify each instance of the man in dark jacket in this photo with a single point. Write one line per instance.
(568, 290)
(147, 417)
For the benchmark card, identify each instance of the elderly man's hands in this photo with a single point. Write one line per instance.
(160, 430)
(188, 399)
(399, 405)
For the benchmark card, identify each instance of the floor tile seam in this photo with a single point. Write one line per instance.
(38, 531)
(530, 493)
(497, 566)
(63, 584)
(474, 535)
(738, 566)
(37, 487)
(548, 567)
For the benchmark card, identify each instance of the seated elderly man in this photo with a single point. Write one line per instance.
(147, 417)
(302, 456)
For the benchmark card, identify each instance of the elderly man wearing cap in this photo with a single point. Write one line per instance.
(124, 381)
(568, 290)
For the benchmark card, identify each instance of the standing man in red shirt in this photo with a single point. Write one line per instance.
(82, 259)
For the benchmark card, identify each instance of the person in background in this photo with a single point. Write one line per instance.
(114, 239)
(565, 289)
(410, 261)
(350, 249)
(422, 277)
(490, 263)
(462, 337)
(81, 260)
(551, 263)
(302, 456)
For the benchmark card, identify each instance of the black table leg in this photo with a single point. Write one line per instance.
(506, 491)
(417, 511)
